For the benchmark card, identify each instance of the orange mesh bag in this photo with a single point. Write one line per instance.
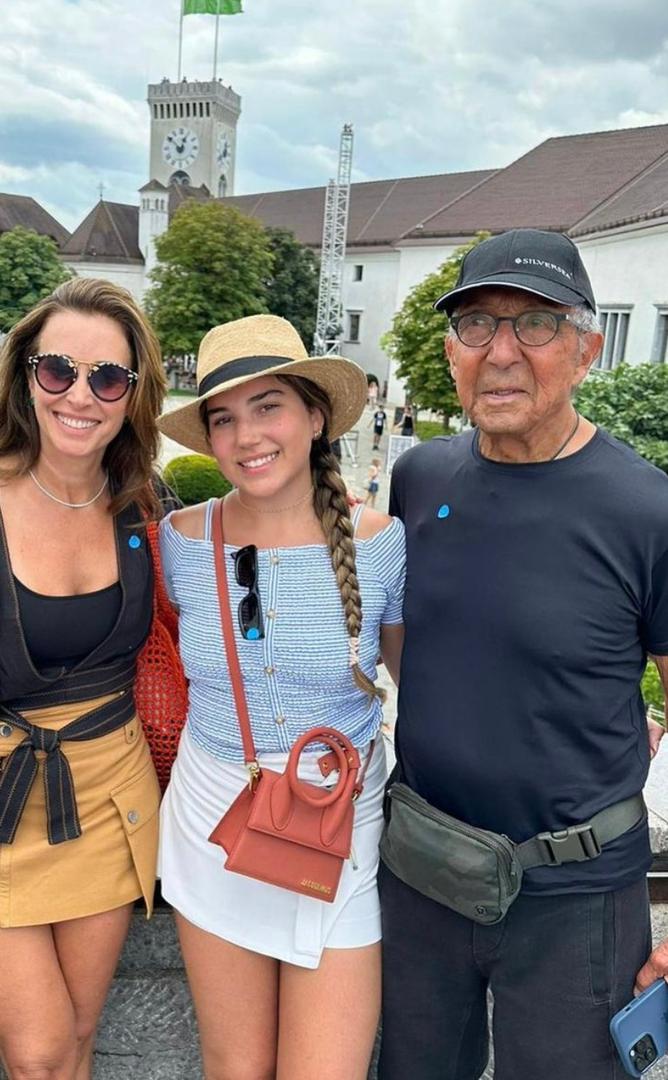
(161, 688)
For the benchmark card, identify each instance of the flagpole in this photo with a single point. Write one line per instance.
(215, 47)
(180, 40)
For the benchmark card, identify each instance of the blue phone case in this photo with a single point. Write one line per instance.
(646, 1015)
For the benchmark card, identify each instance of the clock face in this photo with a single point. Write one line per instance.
(181, 147)
(223, 151)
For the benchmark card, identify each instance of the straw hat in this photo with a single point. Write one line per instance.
(239, 351)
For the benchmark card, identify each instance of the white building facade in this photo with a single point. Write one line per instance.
(400, 231)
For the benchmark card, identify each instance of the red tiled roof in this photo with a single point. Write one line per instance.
(179, 193)
(22, 210)
(380, 212)
(646, 197)
(110, 231)
(556, 185)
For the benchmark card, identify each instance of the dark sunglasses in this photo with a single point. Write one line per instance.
(250, 608)
(56, 373)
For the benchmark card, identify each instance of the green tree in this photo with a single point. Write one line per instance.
(214, 267)
(292, 289)
(415, 341)
(631, 402)
(29, 270)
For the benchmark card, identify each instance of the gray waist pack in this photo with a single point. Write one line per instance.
(476, 872)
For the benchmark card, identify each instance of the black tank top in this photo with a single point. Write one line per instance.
(60, 631)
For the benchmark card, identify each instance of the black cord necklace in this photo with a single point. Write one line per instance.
(571, 436)
(561, 449)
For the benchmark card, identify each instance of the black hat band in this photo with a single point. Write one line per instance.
(244, 365)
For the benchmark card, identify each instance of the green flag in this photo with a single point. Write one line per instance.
(212, 7)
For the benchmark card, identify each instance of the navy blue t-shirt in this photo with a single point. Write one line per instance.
(534, 593)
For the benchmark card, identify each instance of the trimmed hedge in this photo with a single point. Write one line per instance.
(195, 478)
(428, 429)
(652, 690)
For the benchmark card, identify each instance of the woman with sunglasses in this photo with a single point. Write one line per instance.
(284, 984)
(81, 382)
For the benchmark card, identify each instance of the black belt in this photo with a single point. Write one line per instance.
(20, 769)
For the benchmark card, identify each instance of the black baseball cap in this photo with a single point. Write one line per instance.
(545, 263)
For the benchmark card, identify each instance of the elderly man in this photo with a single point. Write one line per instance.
(537, 586)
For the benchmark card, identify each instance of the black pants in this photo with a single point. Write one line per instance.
(559, 968)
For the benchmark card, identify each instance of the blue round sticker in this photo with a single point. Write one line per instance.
(443, 511)
(134, 542)
(252, 634)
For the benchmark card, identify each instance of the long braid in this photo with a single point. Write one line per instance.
(331, 506)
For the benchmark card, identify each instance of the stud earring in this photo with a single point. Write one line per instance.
(317, 435)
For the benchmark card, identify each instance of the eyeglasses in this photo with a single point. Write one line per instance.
(56, 373)
(250, 608)
(477, 328)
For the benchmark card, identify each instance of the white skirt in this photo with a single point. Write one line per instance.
(249, 913)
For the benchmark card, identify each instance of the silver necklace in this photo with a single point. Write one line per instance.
(69, 505)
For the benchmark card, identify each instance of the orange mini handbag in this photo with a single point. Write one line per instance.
(161, 687)
(280, 829)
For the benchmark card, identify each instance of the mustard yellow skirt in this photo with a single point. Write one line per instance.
(113, 862)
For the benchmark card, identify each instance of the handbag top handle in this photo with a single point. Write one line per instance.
(250, 754)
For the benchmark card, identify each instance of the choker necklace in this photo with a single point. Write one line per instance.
(69, 505)
(277, 509)
(571, 436)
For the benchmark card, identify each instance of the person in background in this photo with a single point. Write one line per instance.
(372, 482)
(81, 382)
(275, 975)
(537, 585)
(404, 425)
(378, 420)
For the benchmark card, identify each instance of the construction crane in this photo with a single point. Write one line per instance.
(329, 319)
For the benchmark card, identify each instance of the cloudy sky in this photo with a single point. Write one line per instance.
(429, 85)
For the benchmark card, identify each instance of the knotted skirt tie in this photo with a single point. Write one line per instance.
(21, 766)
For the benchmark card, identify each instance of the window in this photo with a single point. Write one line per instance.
(358, 273)
(179, 177)
(354, 318)
(615, 327)
(660, 343)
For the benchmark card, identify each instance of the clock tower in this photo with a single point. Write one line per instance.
(193, 134)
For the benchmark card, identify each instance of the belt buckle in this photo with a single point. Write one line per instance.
(578, 843)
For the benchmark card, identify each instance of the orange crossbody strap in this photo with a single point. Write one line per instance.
(250, 756)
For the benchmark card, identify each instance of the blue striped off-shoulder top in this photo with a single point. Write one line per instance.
(298, 675)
